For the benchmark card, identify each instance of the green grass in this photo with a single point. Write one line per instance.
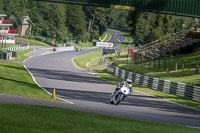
(84, 45)
(108, 37)
(38, 119)
(169, 97)
(34, 42)
(3, 50)
(102, 73)
(15, 80)
(20, 55)
(88, 60)
(103, 36)
(10, 45)
(176, 76)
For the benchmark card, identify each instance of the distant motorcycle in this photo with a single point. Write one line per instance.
(120, 94)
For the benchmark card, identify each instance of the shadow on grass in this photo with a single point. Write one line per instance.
(20, 82)
(13, 67)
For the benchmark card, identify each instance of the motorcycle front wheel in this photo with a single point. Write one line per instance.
(112, 102)
(119, 98)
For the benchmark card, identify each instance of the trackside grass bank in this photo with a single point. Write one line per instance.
(86, 45)
(107, 37)
(34, 42)
(88, 60)
(20, 55)
(15, 80)
(188, 76)
(102, 72)
(38, 119)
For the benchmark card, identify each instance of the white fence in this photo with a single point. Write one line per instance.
(17, 48)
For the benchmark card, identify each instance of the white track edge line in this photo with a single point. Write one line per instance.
(110, 36)
(29, 56)
(43, 88)
(104, 38)
(36, 81)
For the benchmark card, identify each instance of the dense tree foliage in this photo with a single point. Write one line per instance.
(146, 27)
(63, 22)
(97, 20)
(119, 19)
(49, 22)
(75, 20)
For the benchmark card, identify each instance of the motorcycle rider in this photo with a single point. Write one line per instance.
(128, 83)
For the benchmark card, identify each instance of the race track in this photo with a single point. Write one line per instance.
(92, 94)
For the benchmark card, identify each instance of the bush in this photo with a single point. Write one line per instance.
(39, 38)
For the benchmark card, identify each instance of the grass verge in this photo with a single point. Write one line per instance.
(83, 45)
(88, 60)
(108, 37)
(188, 76)
(38, 119)
(15, 80)
(20, 55)
(11, 45)
(34, 42)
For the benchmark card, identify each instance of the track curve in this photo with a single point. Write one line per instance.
(92, 94)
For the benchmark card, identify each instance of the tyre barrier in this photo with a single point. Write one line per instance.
(175, 88)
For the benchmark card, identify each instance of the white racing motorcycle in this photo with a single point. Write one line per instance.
(120, 94)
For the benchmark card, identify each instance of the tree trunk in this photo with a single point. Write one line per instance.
(93, 18)
(176, 65)
(149, 63)
(89, 25)
(197, 69)
(183, 66)
(164, 64)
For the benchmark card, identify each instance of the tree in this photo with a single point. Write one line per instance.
(2, 6)
(75, 20)
(119, 19)
(97, 20)
(49, 20)
(17, 8)
(147, 27)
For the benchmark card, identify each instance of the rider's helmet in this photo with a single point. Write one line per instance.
(129, 81)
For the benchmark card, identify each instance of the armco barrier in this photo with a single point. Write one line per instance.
(175, 88)
(17, 48)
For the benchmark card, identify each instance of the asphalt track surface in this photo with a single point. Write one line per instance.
(92, 94)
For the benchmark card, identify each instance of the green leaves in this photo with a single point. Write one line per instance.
(147, 27)
(75, 20)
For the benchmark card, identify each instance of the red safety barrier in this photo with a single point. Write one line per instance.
(135, 56)
(12, 32)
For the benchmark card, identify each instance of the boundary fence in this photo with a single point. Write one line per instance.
(175, 88)
(17, 48)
